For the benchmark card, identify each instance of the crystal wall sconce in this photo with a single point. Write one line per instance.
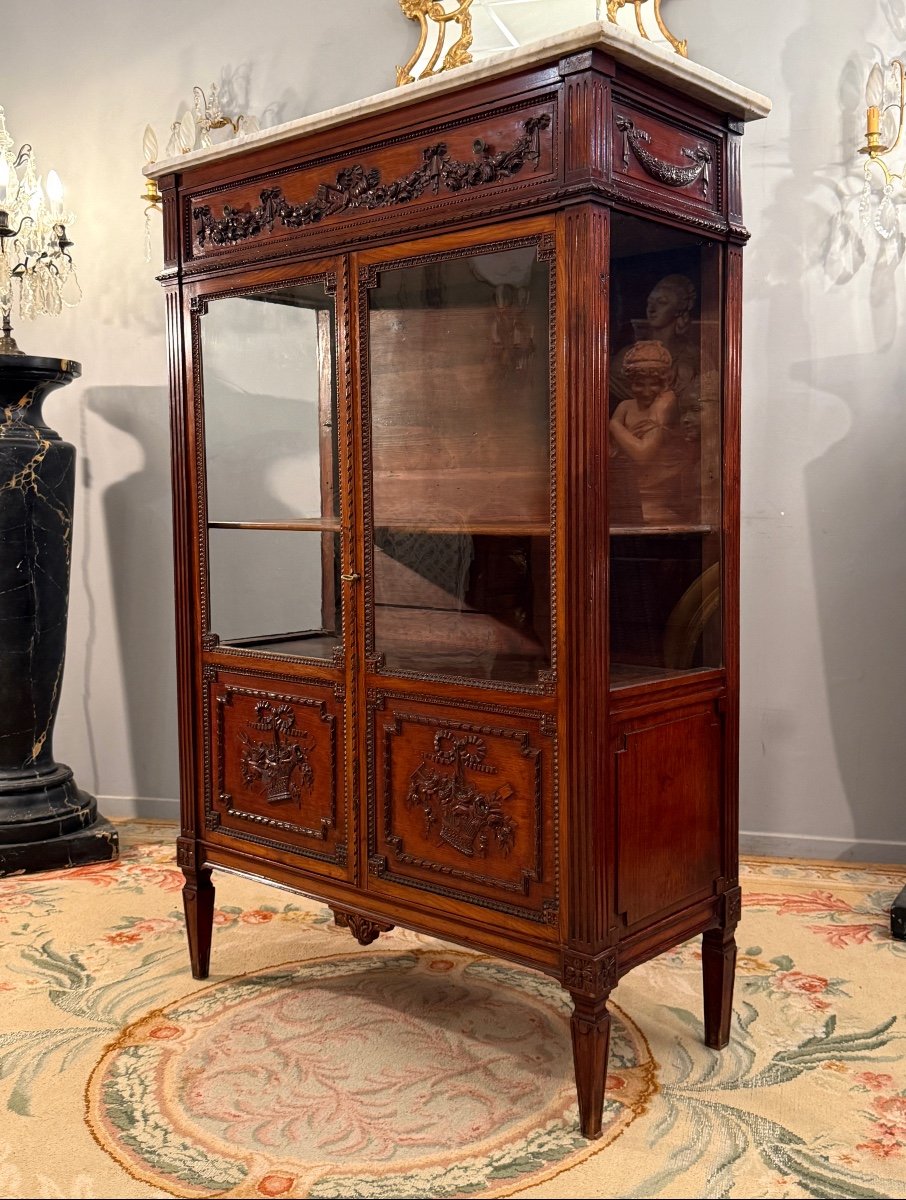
(192, 132)
(885, 97)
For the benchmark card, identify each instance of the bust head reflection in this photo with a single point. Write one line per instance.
(669, 308)
(668, 319)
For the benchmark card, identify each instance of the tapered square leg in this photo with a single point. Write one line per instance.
(590, 1027)
(718, 973)
(198, 902)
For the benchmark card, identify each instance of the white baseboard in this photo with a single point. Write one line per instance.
(799, 845)
(142, 808)
(770, 845)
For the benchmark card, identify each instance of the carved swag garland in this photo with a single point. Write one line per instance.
(359, 187)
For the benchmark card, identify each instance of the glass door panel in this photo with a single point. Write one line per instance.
(664, 453)
(270, 444)
(459, 366)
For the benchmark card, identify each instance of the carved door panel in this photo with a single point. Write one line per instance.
(462, 803)
(275, 774)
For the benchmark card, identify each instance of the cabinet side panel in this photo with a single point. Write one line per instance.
(668, 789)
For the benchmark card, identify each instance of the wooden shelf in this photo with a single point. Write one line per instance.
(310, 526)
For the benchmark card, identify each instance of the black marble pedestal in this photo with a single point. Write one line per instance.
(898, 916)
(46, 821)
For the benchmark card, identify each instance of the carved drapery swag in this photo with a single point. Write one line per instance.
(635, 140)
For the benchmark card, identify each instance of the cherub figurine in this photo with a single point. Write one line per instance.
(645, 432)
(668, 320)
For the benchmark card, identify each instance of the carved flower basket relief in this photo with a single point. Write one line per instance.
(456, 809)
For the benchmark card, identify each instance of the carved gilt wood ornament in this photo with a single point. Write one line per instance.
(279, 768)
(614, 6)
(424, 11)
(440, 17)
(359, 187)
(455, 810)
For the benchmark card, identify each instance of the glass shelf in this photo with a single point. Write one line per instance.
(318, 644)
(627, 674)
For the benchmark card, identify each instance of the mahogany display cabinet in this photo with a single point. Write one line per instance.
(455, 382)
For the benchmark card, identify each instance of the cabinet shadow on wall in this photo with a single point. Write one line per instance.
(138, 534)
(856, 503)
(853, 542)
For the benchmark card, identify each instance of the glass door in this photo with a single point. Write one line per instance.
(457, 368)
(664, 452)
(272, 545)
(457, 363)
(271, 470)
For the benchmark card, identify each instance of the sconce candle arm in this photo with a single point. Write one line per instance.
(874, 147)
(875, 160)
(6, 231)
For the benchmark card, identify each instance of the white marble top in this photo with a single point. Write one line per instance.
(649, 59)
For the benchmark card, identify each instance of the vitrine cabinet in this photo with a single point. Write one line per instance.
(455, 424)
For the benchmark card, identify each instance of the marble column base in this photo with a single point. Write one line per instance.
(98, 842)
(898, 916)
(47, 822)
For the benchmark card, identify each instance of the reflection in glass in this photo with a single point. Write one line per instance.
(270, 437)
(270, 405)
(664, 451)
(275, 591)
(459, 361)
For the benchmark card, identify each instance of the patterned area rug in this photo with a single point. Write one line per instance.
(309, 1066)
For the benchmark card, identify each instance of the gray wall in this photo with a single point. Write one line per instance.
(824, 568)
(824, 436)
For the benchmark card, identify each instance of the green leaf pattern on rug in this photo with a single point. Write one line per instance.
(103, 991)
(728, 1132)
(71, 987)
